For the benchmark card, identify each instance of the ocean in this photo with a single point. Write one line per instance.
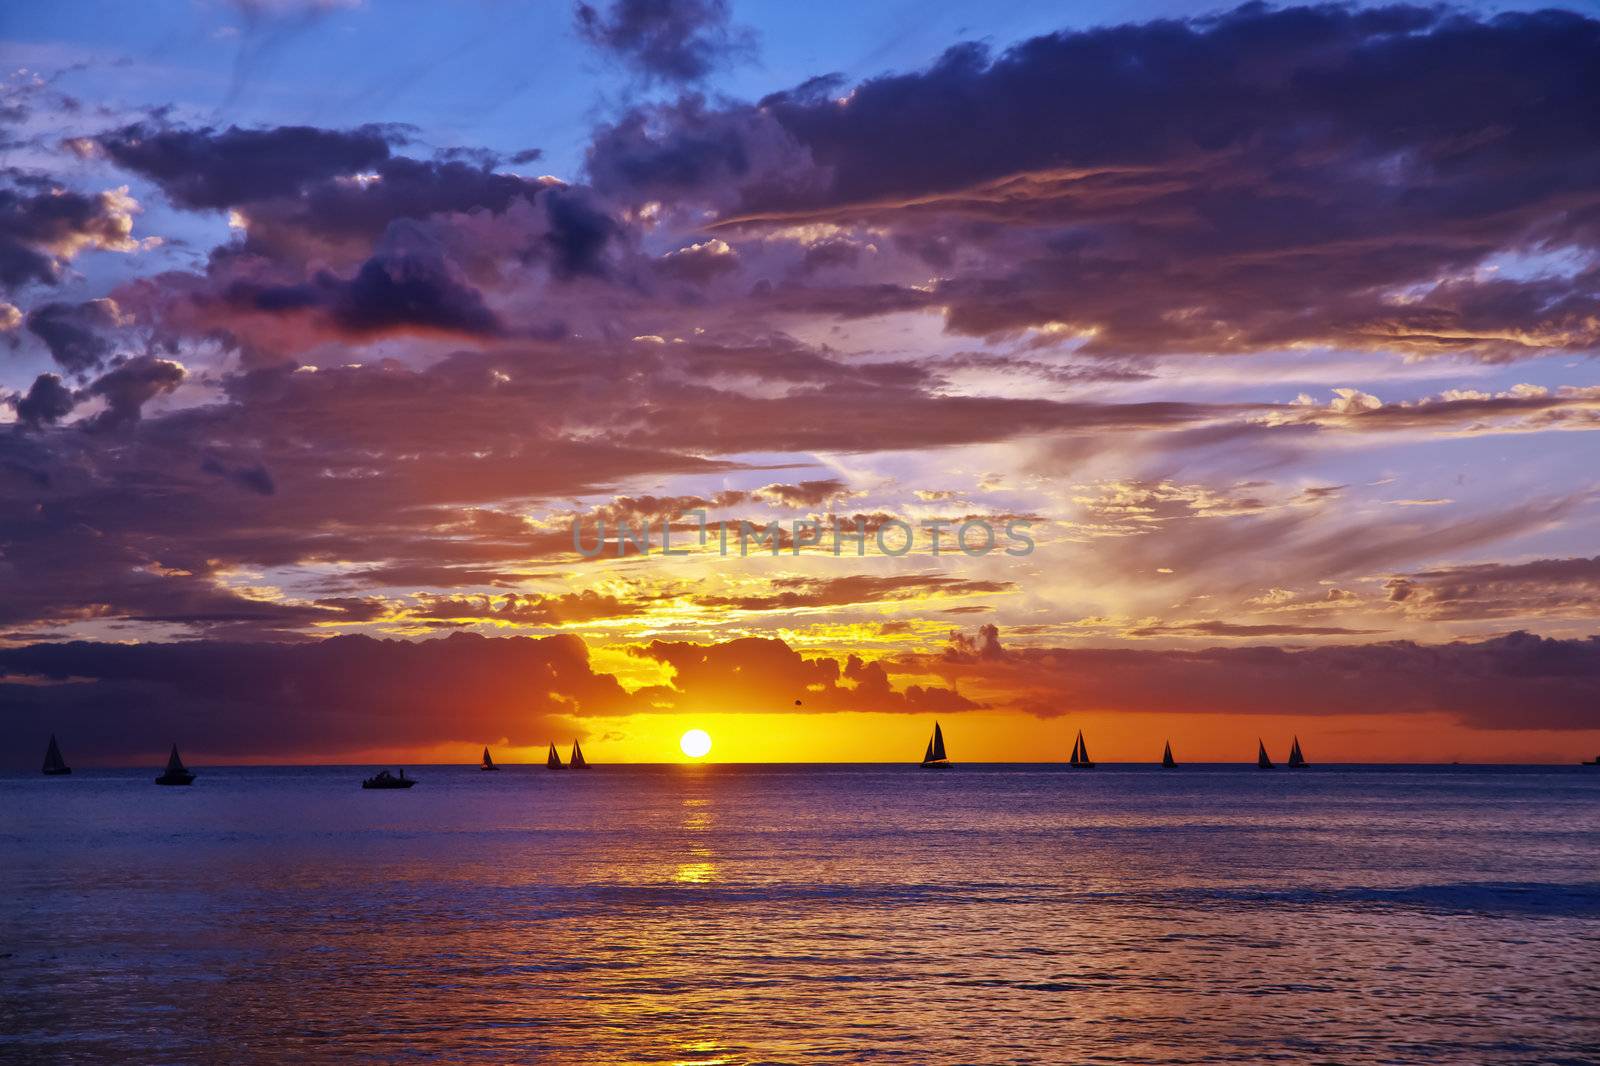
(803, 914)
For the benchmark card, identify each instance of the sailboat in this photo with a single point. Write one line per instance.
(577, 761)
(1297, 761)
(1080, 755)
(934, 758)
(54, 764)
(1262, 762)
(487, 763)
(1167, 762)
(175, 773)
(553, 760)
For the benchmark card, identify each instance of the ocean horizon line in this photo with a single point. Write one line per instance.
(1063, 765)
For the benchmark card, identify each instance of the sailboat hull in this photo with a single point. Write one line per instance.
(938, 764)
(58, 771)
(486, 768)
(175, 779)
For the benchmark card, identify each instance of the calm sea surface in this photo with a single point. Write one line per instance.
(817, 914)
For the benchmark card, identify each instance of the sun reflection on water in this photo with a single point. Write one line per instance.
(700, 1049)
(696, 873)
(697, 819)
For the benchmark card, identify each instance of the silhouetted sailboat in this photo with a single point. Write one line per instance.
(934, 758)
(1262, 762)
(1297, 761)
(1167, 762)
(577, 761)
(384, 779)
(488, 763)
(54, 764)
(1080, 755)
(553, 760)
(175, 773)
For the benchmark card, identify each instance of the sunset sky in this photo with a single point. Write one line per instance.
(324, 321)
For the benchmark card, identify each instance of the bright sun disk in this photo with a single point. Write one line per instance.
(695, 743)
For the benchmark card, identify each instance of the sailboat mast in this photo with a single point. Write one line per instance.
(934, 757)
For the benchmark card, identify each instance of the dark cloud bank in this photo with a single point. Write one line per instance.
(353, 693)
(1266, 177)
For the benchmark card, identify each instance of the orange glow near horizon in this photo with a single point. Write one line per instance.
(976, 737)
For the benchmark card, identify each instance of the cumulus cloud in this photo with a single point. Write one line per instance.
(756, 675)
(336, 236)
(666, 40)
(403, 290)
(44, 226)
(47, 401)
(698, 263)
(132, 384)
(211, 168)
(75, 334)
(985, 644)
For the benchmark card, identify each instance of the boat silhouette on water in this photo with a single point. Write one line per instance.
(553, 760)
(1297, 760)
(487, 763)
(1080, 755)
(577, 762)
(1591, 762)
(934, 758)
(54, 764)
(384, 779)
(1262, 762)
(175, 773)
(1167, 761)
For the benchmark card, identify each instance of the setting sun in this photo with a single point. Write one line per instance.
(695, 743)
